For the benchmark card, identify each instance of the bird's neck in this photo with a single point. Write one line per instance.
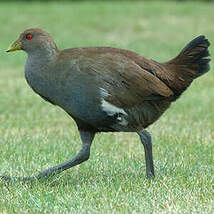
(40, 64)
(39, 69)
(43, 55)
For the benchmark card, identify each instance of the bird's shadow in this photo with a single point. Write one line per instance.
(68, 178)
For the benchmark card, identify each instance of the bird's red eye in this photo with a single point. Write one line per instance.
(29, 36)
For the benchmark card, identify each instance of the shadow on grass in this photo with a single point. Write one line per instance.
(98, 178)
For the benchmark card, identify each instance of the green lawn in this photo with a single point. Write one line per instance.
(35, 135)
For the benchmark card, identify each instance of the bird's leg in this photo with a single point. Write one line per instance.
(146, 140)
(83, 155)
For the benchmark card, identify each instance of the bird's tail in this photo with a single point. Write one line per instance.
(191, 63)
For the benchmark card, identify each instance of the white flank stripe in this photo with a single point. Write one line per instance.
(111, 109)
(104, 93)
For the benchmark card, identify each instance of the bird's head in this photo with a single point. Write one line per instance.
(32, 40)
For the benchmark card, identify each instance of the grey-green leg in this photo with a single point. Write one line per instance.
(83, 155)
(146, 140)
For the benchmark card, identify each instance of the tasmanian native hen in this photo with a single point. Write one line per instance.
(107, 89)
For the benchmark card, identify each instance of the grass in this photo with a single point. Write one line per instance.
(36, 135)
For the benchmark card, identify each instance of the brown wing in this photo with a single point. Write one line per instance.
(126, 83)
(126, 77)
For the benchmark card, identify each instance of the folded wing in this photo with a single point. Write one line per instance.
(121, 80)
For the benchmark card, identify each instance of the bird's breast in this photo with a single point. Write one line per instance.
(74, 94)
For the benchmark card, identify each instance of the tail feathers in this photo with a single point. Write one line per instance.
(194, 56)
(191, 63)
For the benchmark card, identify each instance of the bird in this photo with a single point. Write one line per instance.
(106, 89)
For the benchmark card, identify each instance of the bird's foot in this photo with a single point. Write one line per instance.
(11, 179)
(150, 175)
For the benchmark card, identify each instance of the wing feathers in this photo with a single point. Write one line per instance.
(125, 81)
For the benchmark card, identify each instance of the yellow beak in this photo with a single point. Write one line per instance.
(14, 46)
